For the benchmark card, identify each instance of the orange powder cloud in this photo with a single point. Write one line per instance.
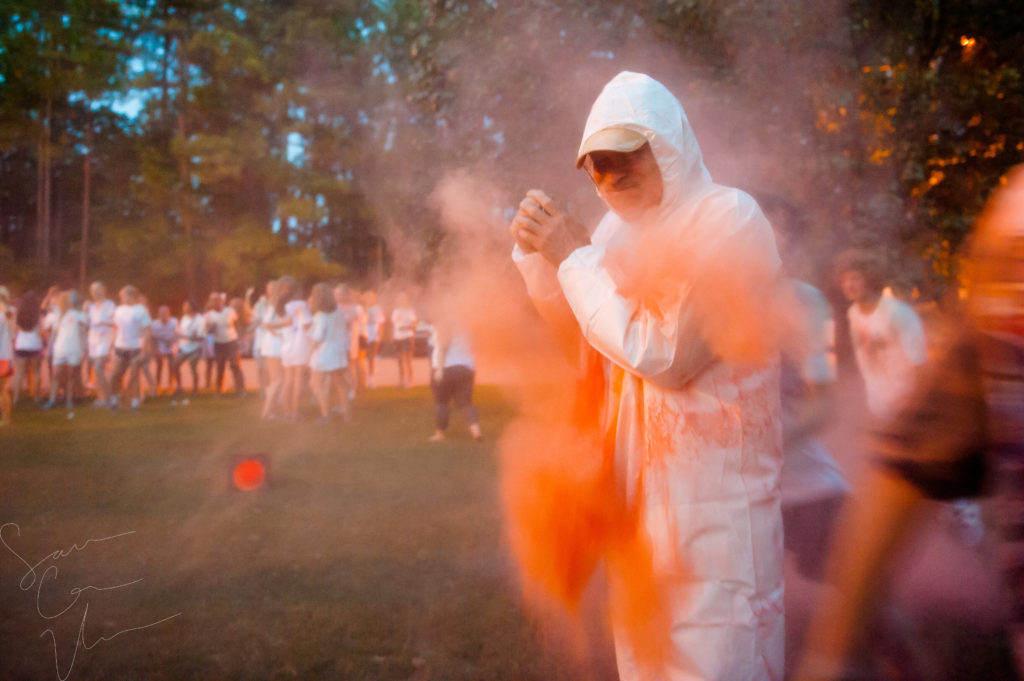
(565, 516)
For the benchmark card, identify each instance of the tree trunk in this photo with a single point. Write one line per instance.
(184, 176)
(86, 198)
(45, 191)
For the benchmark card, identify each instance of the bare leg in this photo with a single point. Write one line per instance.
(19, 376)
(318, 381)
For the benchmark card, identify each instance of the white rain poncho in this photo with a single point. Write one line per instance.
(694, 418)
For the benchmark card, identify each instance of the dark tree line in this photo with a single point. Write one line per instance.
(190, 144)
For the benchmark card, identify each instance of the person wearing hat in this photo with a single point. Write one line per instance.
(668, 294)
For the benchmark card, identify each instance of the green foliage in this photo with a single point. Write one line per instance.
(333, 121)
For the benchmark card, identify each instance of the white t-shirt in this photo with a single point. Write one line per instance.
(888, 344)
(191, 332)
(49, 326)
(403, 320)
(165, 334)
(101, 327)
(374, 319)
(68, 341)
(295, 345)
(222, 324)
(131, 321)
(30, 340)
(459, 352)
(331, 338)
(6, 342)
(270, 343)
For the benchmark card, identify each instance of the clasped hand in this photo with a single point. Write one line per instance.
(540, 226)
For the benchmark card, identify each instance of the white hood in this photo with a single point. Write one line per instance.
(638, 102)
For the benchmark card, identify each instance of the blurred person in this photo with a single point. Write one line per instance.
(452, 372)
(221, 320)
(273, 322)
(131, 333)
(403, 324)
(329, 336)
(295, 347)
(100, 311)
(6, 354)
(689, 414)
(355, 320)
(813, 484)
(255, 330)
(960, 433)
(887, 335)
(28, 346)
(165, 335)
(370, 340)
(69, 348)
(191, 335)
(146, 355)
(48, 327)
(244, 313)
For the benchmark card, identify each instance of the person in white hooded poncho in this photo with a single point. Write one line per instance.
(666, 290)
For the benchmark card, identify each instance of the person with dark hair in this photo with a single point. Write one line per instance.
(887, 335)
(28, 346)
(403, 331)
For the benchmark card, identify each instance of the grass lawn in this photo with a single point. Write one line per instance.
(368, 553)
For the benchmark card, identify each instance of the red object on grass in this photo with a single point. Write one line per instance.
(249, 474)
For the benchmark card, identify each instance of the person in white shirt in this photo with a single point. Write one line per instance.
(191, 334)
(165, 335)
(370, 341)
(330, 338)
(68, 348)
(403, 330)
(295, 344)
(453, 370)
(6, 354)
(887, 335)
(347, 299)
(131, 332)
(100, 311)
(28, 345)
(256, 313)
(273, 325)
(221, 320)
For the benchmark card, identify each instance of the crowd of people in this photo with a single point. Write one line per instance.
(120, 353)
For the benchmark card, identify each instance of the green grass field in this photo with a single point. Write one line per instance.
(368, 553)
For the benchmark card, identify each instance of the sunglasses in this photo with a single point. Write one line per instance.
(600, 163)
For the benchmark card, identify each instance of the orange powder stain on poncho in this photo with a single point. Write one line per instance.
(565, 514)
